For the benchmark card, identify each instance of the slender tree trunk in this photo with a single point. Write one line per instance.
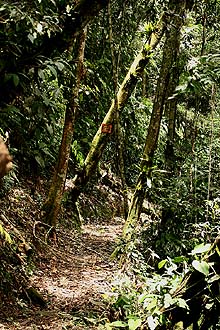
(145, 84)
(204, 23)
(170, 112)
(118, 130)
(54, 198)
(193, 168)
(101, 138)
(210, 148)
(177, 11)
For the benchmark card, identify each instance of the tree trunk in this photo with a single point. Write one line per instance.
(118, 130)
(169, 154)
(176, 11)
(101, 138)
(212, 105)
(170, 112)
(145, 84)
(53, 202)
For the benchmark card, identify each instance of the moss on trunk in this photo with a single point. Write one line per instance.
(176, 10)
(101, 139)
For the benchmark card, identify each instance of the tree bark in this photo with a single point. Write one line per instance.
(170, 112)
(101, 139)
(176, 11)
(212, 106)
(118, 130)
(144, 84)
(54, 198)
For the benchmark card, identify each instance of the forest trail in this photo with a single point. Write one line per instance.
(72, 277)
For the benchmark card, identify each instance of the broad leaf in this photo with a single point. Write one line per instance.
(40, 160)
(151, 323)
(59, 65)
(39, 28)
(118, 324)
(201, 266)
(134, 324)
(149, 183)
(168, 300)
(179, 259)
(161, 263)
(52, 70)
(15, 79)
(214, 278)
(201, 248)
(182, 303)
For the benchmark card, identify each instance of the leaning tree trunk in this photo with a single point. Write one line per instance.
(53, 201)
(176, 11)
(102, 136)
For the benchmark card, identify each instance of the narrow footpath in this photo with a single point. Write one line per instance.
(72, 277)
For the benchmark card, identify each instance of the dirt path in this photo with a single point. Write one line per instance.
(72, 280)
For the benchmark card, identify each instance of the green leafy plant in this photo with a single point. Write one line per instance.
(139, 303)
(5, 235)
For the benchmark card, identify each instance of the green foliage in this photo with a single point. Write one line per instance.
(145, 297)
(201, 248)
(139, 302)
(32, 101)
(5, 235)
(133, 323)
(76, 150)
(201, 266)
